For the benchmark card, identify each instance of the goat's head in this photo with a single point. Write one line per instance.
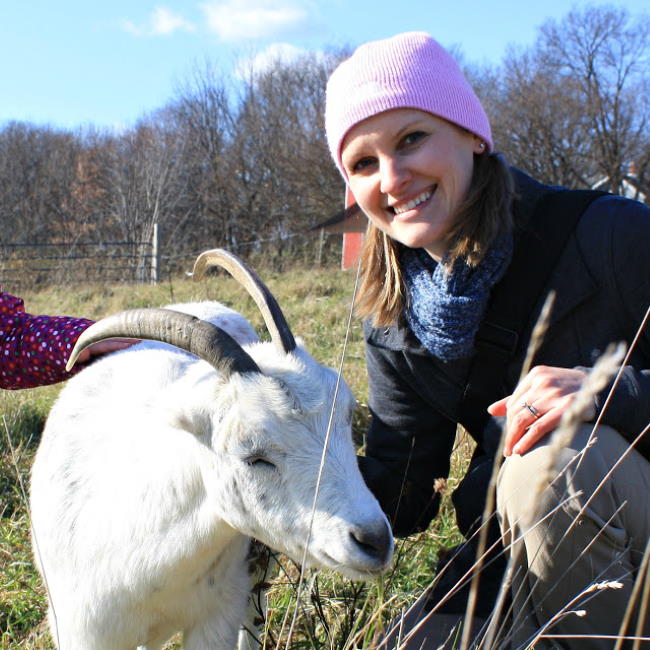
(266, 429)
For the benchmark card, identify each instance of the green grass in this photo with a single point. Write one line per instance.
(22, 598)
(334, 612)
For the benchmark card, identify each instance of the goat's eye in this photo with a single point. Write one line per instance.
(259, 461)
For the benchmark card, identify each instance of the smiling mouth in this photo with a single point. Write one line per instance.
(410, 205)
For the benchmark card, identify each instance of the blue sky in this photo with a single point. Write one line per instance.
(71, 63)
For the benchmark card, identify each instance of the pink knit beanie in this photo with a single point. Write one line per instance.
(410, 70)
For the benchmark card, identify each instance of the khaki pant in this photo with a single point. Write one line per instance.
(581, 535)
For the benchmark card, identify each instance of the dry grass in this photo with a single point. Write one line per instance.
(333, 613)
(316, 303)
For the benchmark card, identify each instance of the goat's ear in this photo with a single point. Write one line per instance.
(294, 402)
(197, 423)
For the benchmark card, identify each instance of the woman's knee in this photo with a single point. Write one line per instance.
(523, 480)
(550, 475)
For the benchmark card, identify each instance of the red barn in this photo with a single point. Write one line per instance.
(351, 223)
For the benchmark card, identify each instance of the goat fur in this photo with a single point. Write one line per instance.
(154, 471)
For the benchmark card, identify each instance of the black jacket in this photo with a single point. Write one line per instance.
(602, 285)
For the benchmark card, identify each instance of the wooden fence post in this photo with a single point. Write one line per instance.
(155, 256)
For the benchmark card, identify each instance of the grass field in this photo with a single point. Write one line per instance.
(333, 613)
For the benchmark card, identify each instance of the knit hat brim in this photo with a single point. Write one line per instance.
(410, 70)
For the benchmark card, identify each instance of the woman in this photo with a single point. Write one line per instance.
(457, 243)
(34, 349)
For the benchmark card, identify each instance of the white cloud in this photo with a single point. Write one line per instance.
(162, 22)
(236, 20)
(131, 28)
(282, 53)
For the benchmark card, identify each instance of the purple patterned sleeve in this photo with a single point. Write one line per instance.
(34, 349)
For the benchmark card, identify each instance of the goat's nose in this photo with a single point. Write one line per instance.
(374, 541)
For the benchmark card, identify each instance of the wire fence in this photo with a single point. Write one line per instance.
(26, 265)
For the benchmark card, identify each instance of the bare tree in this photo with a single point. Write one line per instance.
(37, 167)
(203, 118)
(607, 54)
(281, 149)
(539, 122)
(574, 109)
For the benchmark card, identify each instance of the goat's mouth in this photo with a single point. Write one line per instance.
(358, 551)
(358, 565)
(358, 571)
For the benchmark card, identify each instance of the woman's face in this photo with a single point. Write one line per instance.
(409, 171)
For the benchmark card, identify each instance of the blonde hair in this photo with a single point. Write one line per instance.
(481, 218)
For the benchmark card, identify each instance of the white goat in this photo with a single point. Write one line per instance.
(158, 463)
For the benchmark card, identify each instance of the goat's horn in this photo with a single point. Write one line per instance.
(205, 340)
(275, 321)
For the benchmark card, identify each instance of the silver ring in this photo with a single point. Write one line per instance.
(533, 411)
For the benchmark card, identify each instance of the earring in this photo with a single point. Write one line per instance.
(482, 145)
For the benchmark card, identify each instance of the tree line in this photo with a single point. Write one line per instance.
(244, 163)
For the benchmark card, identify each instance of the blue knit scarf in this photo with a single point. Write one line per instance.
(445, 307)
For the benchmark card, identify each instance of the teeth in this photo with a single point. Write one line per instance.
(421, 198)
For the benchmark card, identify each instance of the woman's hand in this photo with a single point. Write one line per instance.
(105, 347)
(536, 406)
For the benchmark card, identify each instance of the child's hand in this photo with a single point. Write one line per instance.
(105, 347)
